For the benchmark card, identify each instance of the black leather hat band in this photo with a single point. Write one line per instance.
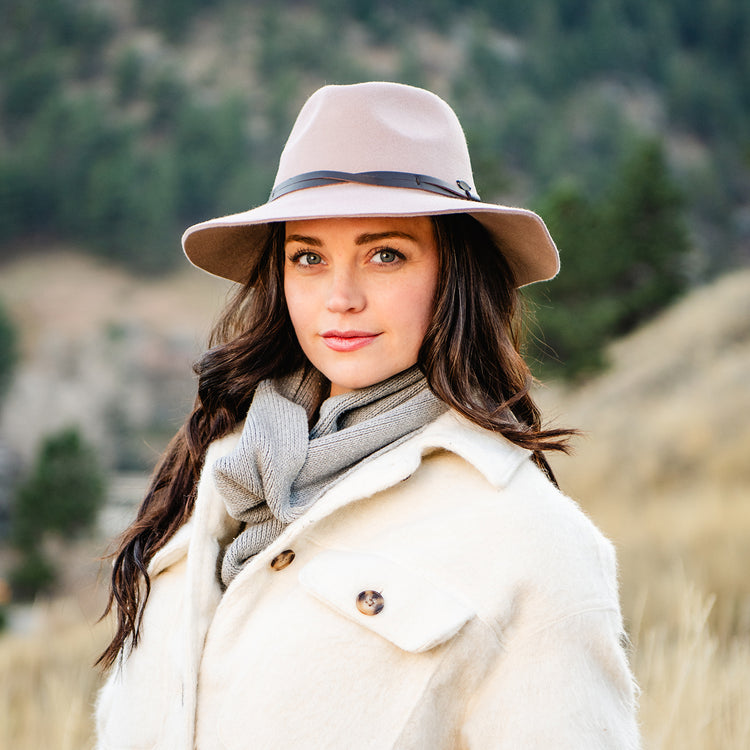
(459, 189)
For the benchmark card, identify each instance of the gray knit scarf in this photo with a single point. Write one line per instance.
(280, 467)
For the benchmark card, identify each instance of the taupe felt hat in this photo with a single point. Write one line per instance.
(372, 149)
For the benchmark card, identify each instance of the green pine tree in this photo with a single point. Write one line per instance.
(574, 314)
(645, 231)
(62, 493)
(622, 261)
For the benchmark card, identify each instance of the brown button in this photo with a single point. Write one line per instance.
(370, 602)
(283, 559)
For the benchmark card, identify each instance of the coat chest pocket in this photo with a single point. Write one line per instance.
(385, 597)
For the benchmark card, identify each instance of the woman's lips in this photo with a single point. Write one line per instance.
(348, 341)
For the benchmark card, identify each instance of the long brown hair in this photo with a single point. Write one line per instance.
(470, 356)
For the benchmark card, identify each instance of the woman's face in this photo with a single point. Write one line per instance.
(360, 293)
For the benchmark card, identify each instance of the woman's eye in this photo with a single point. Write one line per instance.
(307, 259)
(386, 256)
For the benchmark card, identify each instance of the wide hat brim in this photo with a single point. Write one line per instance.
(229, 246)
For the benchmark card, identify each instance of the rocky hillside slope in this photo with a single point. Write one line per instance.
(103, 350)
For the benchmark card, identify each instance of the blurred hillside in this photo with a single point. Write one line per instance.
(104, 350)
(663, 464)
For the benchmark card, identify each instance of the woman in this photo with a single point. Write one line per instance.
(355, 540)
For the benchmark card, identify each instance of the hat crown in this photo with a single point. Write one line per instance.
(398, 135)
(376, 126)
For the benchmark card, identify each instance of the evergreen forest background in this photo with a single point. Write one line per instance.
(625, 122)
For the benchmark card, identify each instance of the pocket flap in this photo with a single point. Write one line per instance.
(416, 613)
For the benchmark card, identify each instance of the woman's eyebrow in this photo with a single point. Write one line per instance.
(304, 239)
(364, 239)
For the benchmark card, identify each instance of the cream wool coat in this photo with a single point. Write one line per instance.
(500, 627)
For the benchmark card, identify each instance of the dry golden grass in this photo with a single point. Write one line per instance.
(695, 687)
(47, 684)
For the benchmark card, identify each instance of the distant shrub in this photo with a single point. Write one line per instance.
(28, 86)
(209, 145)
(128, 75)
(63, 491)
(39, 24)
(171, 17)
(169, 96)
(575, 314)
(61, 495)
(8, 350)
(33, 575)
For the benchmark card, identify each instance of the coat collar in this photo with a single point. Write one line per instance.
(489, 453)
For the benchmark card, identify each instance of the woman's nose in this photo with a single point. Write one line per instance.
(346, 293)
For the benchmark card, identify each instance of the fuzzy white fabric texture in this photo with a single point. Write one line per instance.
(499, 628)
